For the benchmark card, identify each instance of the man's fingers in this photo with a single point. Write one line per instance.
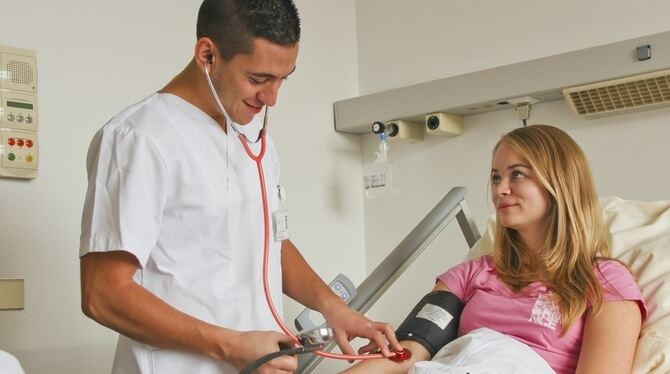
(390, 336)
(343, 342)
(370, 347)
(284, 363)
(286, 339)
(380, 340)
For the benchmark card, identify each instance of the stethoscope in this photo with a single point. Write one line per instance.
(266, 239)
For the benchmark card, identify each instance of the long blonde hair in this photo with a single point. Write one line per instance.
(576, 235)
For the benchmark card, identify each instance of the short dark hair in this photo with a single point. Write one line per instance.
(234, 24)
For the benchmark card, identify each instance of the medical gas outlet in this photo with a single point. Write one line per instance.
(18, 113)
(444, 124)
(402, 130)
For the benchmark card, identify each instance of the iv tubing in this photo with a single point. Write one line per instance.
(266, 246)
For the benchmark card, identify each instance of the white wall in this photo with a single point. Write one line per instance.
(403, 43)
(96, 57)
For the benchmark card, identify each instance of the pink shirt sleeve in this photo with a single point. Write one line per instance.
(459, 277)
(619, 284)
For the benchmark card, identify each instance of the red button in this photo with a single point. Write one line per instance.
(19, 142)
(11, 141)
(29, 143)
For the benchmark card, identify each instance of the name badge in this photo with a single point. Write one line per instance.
(280, 217)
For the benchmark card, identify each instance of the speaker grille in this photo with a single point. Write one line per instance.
(20, 72)
(628, 94)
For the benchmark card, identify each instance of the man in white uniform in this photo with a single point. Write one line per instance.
(172, 229)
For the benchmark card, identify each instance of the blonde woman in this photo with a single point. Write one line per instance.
(550, 282)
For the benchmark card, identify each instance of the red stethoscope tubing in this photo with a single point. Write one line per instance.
(266, 251)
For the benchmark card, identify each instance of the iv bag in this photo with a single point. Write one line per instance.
(380, 179)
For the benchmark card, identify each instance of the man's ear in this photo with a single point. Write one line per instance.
(205, 52)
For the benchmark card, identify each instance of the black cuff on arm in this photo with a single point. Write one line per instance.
(433, 322)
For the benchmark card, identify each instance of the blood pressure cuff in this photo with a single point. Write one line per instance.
(433, 322)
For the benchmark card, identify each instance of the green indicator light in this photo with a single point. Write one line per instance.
(11, 157)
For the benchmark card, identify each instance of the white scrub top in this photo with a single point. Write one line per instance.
(169, 186)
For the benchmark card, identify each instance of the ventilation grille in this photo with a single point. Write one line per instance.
(640, 92)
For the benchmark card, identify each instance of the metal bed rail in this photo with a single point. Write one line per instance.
(387, 272)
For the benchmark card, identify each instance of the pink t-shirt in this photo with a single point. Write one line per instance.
(529, 315)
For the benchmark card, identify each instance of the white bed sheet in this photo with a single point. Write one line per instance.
(484, 351)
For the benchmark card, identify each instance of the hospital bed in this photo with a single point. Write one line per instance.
(639, 237)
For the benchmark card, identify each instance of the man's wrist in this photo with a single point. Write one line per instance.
(220, 342)
(332, 304)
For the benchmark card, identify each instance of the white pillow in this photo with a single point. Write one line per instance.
(639, 237)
